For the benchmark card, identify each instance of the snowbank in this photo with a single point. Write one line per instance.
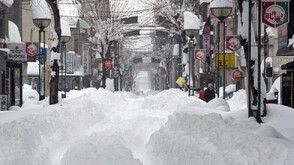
(210, 139)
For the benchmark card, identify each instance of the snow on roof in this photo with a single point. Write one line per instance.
(7, 3)
(69, 12)
(13, 32)
(40, 9)
(221, 4)
(65, 29)
(191, 21)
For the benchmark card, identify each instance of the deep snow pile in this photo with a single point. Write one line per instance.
(103, 127)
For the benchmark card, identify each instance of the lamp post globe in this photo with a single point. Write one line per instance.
(64, 39)
(221, 9)
(191, 33)
(41, 23)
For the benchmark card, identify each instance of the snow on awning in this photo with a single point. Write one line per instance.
(6, 4)
(4, 51)
(33, 68)
(40, 9)
(13, 32)
(191, 21)
(65, 28)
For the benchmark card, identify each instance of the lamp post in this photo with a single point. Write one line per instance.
(221, 10)
(176, 56)
(191, 29)
(64, 39)
(41, 23)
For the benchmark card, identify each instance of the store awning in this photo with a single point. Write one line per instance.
(4, 52)
(289, 65)
(285, 51)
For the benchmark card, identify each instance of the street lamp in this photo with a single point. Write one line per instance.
(191, 29)
(64, 38)
(41, 18)
(41, 23)
(221, 9)
(175, 57)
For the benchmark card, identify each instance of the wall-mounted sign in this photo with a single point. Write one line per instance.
(17, 52)
(3, 102)
(32, 49)
(237, 74)
(85, 58)
(43, 58)
(233, 42)
(275, 13)
(206, 39)
(229, 59)
(199, 54)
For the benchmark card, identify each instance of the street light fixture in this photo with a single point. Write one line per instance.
(221, 9)
(191, 29)
(41, 23)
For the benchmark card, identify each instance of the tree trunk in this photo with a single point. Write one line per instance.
(53, 4)
(54, 84)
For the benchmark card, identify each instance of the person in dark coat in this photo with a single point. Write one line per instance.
(209, 93)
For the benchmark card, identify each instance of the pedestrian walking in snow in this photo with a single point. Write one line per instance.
(209, 93)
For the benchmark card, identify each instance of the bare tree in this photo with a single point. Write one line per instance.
(106, 26)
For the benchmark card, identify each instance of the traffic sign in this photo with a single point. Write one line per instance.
(115, 68)
(108, 64)
(275, 13)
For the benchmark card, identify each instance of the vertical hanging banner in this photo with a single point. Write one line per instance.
(199, 54)
(85, 58)
(206, 39)
(32, 50)
(275, 13)
(233, 42)
(108, 64)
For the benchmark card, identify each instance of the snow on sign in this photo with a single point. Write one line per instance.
(237, 74)
(275, 13)
(233, 42)
(199, 54)
(108, 64)
(32, 50)
(17, 51)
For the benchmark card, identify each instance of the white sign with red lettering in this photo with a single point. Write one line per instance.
(237, 74)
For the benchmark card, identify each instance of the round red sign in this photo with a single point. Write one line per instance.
(237, 74)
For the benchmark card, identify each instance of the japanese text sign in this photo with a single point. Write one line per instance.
(275, 13)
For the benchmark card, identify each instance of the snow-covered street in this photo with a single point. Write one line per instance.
(155, 128)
